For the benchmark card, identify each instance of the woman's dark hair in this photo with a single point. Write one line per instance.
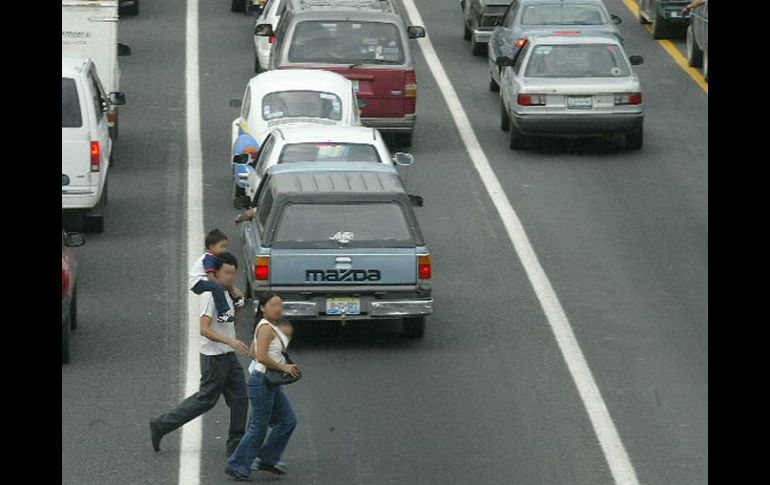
(262, 301)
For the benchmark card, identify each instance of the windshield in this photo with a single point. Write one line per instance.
(556, 14)
(342, 42)
(360, 224)
(594, 60)
(328, 152)
(70, 104)
(292, 104)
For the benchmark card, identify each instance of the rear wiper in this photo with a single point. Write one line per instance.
(370, 61)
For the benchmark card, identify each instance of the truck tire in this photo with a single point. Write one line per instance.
(478, 48)
(74, 310)
(694, 53)
(635, 139)
(518, 141)
(413, 327)
(404, 139)
(505, 120)
(466, 32)
(65, 343)
(493, 86)
(661, 28)
(238, 6)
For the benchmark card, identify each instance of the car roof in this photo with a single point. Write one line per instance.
(353, 10)
(73, 64)
(339, 134)
(313, 178)
(299, 79)
(572, 39)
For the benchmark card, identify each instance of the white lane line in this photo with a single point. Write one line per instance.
(190, 448)
(615, 453)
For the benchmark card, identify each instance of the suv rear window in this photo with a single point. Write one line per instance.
(363, 224)
(70, 104)
(328, 152)
(556, 14)
(345, 41)
(293, 104)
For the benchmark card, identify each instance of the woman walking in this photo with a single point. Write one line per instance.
(269, 404)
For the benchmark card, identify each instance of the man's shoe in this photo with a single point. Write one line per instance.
(226, 317)
(275, 469)
(155, 434)
(239, 303)
(280, 464)
(237, 476)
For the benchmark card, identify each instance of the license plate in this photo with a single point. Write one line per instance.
(579, 102)
(355, 86)
(675, 15)
(338, 306)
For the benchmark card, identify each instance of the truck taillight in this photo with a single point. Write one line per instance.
(65, 279)
(531, 100)
(96, 156)
(410, 85)
(628, 98)
(424, 269)
(262, 269)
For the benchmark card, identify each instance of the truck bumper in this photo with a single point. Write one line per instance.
(672, 11)
(481, 36)
(392, 125)
(588, 124)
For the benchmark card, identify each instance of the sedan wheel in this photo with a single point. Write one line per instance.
(505, 120)
(706, 65)
(694, 53)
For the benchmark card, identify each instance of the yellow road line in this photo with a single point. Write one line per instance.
(673, 51)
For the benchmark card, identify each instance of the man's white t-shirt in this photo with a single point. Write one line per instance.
(209, 347)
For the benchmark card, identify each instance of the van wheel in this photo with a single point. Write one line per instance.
(404, 139)
(65, 343)
(694, 53)
(466, 32)
(661, 28)
(74, 309)
(478, 48)
(73, 220)
(413, 327)
(238, 6)
(518, 141)
(505, 120)
(94, 221)
(635, 139)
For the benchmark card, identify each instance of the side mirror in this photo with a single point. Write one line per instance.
(636, 60)
(74, 239)
(117, 98)
(416, 200)
(616, 20)
(263, 30)
(241, 158)
(403, 159)
(504, 61)
(241, 202)
(124, 49)
(362, 103)
(415, 32)
(236, 103)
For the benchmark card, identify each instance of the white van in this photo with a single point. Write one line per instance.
(86, 145)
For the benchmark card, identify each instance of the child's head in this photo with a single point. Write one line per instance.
(216, 242)
(286, 327)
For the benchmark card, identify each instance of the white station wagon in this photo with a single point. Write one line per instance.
(320, 144)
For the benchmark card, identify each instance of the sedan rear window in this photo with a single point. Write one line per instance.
(306, 104)
(70, 104)
(556, 14)
(361, 224)
(343, 42)
(586, 60)
(328, 152)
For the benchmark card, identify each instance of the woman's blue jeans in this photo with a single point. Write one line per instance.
(269, 405)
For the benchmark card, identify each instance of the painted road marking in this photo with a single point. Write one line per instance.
(673, 51)
(614, 452)
(190, 448)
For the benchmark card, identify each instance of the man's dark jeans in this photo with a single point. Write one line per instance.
(220, 374)
(217, 291)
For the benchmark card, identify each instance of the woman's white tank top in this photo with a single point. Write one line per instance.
(274, 350)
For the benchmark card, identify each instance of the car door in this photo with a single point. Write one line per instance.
(511, 78)
(501, 42)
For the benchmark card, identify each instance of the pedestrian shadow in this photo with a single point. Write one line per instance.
(576, 146)
(353, 333)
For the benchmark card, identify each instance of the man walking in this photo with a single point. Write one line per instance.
(221, 373)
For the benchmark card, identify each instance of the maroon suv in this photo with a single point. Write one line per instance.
(69, 304)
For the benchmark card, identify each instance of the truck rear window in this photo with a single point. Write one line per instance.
(328, 152)
(381, 224)
(345, 41)
(70, 104)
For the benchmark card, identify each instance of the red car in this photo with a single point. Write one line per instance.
(68, 289)
(363, 40)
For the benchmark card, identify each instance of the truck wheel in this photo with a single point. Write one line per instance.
(505, 120)
(413, 327)
(74, 309)
(404, 139)
(65, 343)
(249, 292)
(478, 48)
(661, 28)
(466, 32)
(694, 53)
(634, 139)
(706, 65)
(238, 6)
(518, 141)
(493, 86)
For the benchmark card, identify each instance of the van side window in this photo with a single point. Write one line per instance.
(70, 104)
(96, 94)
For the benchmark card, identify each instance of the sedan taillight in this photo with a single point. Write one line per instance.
(531, 100)
(628, 98)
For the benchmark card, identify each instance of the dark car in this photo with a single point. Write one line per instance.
(365, 41)
(69, 304)
(698, 39)
(128, 7)
(665, 16)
